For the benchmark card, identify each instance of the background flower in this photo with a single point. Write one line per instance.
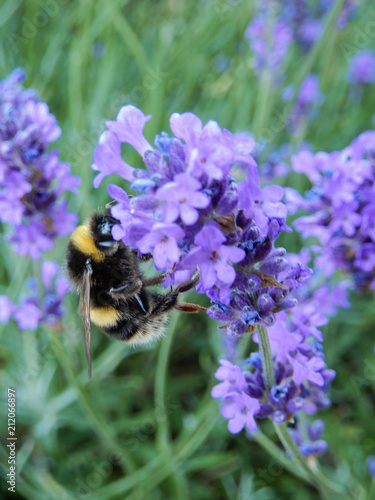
(32, 180)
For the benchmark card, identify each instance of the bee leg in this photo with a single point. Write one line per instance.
(189, 308)
(158, 280)
(185, 287)
(155, 280)
(128, 290)
(188, 285)
(144, 257)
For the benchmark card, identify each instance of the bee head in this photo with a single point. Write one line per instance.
(94, 238)
(101, 229)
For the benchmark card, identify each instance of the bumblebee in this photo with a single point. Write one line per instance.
(114, 293)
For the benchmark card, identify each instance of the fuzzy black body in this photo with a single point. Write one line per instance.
(119, 302)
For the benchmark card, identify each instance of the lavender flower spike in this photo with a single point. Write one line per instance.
(340, 208)
(32, 180)
(191, 214)
(35, 308)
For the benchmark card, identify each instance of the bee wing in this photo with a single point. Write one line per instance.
(85, 306)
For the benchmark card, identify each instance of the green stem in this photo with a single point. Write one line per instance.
(162, 437)
(282, 430)
(275, 452)
(163, 443)
(321, 481)
(267, 361)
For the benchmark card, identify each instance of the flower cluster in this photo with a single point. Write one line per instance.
(41, 305)
(192, 214)
(301, 375)
(309, 98)
(269, 42)
(340, 208)
(370, 462)
(277, 25)
(308, 439)
(32, 180)
(307, 18)
(361, 69)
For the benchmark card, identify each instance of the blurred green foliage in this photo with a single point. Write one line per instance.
(145, 426)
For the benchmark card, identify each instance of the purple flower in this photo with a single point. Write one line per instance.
(370, 462)
(30, 241)
(260, 204)
(183, 197)
(282, 340)
(269, 49)
(306, 436)
(340, 208)
(210, 150)
(28, 316)
(107, 159)
(362, 68)
(213, 258)
(129, 126)
(35, 308)
(232, 379)
(162, 241)
(7, 309)
(32, 180)
(308, 99)
(240, 411)
(307, 369)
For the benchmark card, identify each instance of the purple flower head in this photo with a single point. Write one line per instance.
(362, 68)
(311, 446)
(35, 308)
(258, 204)
(307, 369)
(107, 158)
(309, 91)
(232, 379)
(309, 98)
(7, 309)
(210, 151)
(32, 180)
(276, 25)
(129, 126)
(213, 257)
(302, 378)
(162, 241)
(182, 198)
(240, 411)
(269, 48)
(340, 208)
(370, 462)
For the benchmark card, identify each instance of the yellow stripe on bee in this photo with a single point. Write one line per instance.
(104, 317)
(83, 241)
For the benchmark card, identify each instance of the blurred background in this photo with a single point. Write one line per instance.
(146, 426)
